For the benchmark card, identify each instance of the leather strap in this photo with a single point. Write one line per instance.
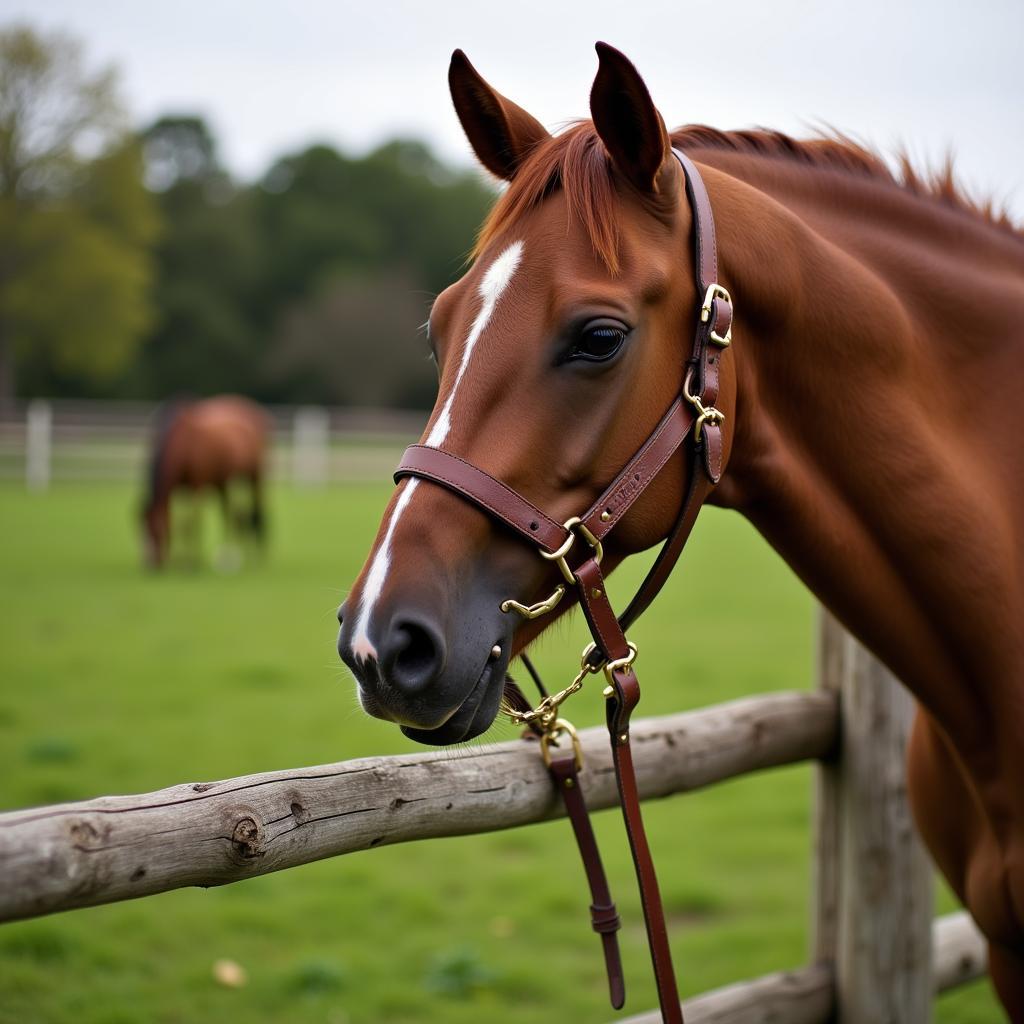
(699, 488)
(480, 487)
(705, 242)
(522, 516)
(622, 699)
(604, 918)
(706, 356)
(618, 497)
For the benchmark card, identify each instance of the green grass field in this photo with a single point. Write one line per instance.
(117, 681)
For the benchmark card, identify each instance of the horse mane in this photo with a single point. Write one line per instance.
(841, 152)
(576, 161)
(166, 416)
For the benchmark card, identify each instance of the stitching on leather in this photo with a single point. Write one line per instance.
(715, 458)
(637, 459)
(649, 472)
(592, 618)
(492, 479)
(438, 477)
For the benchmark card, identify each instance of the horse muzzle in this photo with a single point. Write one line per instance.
(440, 685)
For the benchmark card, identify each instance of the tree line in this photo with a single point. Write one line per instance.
(133, 265)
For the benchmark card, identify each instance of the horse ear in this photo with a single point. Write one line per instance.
(500, 132)
(627, 121)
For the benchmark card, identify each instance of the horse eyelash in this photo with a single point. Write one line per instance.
(424, 329)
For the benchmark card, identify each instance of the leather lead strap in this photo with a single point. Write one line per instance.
(604, 918)
(623, 699)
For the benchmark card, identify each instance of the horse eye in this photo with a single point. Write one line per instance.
(598, 342)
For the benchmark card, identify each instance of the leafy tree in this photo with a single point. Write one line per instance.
(291, 289)
(76, 221)
(396, 207)
(181, 149)
(299, 287)
(360, 247)
(209, 259)
(358, 342)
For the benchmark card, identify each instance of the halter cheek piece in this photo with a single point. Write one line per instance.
(691, 416)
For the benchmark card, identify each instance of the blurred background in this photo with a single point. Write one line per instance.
(263, 199)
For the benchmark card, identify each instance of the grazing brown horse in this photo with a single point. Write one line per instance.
(202, 445)
(874, 417)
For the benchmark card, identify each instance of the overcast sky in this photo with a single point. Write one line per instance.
(931, 75)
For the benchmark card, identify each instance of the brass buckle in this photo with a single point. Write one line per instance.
(550, 737)
(617, 665)
(574, 523)
(716, 291)
(534, 611)
(707, 412)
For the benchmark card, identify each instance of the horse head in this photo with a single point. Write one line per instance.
(558, 352)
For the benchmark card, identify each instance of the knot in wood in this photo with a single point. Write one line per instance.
(84, 835)
(245, 838)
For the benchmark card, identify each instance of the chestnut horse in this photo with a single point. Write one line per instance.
(205, 445)
(874, 416)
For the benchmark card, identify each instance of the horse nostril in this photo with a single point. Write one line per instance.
(414, 656)
(341, 614)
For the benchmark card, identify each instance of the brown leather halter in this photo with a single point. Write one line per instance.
(692, 415)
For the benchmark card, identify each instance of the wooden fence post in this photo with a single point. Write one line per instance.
(38, 435)
(874, 883)
(311, 434)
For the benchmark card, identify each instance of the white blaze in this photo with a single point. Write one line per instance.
(362, 646)
(494, 283)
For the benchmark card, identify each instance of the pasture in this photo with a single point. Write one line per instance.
(116, 681)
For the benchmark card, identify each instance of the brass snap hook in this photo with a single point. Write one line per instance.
(716, 291)
(535, 611)
(707, 412)
(559, 726)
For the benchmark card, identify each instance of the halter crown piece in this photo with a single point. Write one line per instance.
(694, 417)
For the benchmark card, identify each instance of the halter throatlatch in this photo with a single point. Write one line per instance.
(694, 416)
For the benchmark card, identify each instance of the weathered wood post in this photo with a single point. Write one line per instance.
(38, 436)
(311, 435)
(874, 883)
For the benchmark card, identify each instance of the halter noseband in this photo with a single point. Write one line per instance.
(692, 415)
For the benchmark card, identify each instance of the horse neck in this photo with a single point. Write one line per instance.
(878, 373)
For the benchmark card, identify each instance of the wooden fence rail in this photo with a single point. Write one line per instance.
(808, 995)
(209, 833)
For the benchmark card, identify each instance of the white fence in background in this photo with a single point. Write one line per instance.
(311, 440)
(38, 444)
(60, 441)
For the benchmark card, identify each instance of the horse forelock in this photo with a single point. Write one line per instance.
(576, 162)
